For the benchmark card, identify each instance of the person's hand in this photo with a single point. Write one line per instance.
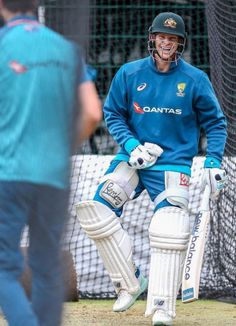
(215, 178)
(144, 156)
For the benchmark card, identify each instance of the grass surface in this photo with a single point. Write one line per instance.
(99, 313)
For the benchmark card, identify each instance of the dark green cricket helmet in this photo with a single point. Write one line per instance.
(169, 23)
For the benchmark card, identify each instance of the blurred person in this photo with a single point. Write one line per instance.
(155, 110)
(41, 75)
(91, 111)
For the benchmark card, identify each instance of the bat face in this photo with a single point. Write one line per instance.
(194, 257)
(194, 240)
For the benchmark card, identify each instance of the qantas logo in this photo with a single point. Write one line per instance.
(152, 109)
(17, 67)
(137, 108)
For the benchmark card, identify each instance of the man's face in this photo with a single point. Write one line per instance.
(166, 45)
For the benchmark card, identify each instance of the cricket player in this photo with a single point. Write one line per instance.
(154, 110)
(41, 75)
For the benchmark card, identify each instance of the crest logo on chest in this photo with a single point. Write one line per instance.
(181, 87)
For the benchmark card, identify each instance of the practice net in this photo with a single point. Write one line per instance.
(118, 33)
(93, 279)
(221, 19)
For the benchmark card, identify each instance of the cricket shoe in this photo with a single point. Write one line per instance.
(161, 317)
(125, 300)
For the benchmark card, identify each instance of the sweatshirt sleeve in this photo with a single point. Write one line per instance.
(211, 118)
(116, 112)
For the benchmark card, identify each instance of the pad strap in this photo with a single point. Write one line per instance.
(171, 192)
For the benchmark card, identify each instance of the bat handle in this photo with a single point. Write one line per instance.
(205, 204)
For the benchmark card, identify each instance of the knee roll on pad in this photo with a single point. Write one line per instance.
(113, 243)
(169, 235)
(119, 186)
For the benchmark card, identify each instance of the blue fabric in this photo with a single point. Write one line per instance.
(152, 181)
(131, 144)
(91, 72)
(157, 167)
(22, 203)
(37, 112)
(211, 162)
(167, 109)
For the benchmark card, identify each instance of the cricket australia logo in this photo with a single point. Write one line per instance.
(141, 87)
(170, 22)
(181, 87)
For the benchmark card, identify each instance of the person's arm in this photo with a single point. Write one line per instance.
(212, 120)
(89, 104)
(116, 113)
(90, 109)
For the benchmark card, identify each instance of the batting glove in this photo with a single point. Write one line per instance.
(216, 179)
(144, 156)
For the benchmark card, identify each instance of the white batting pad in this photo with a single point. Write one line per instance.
(113, 243)
(176, 189)
(169, 235)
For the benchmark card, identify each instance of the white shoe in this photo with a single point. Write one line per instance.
(125, 300)
(161, 317)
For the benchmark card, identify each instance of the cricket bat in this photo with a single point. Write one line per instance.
(195, 252)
